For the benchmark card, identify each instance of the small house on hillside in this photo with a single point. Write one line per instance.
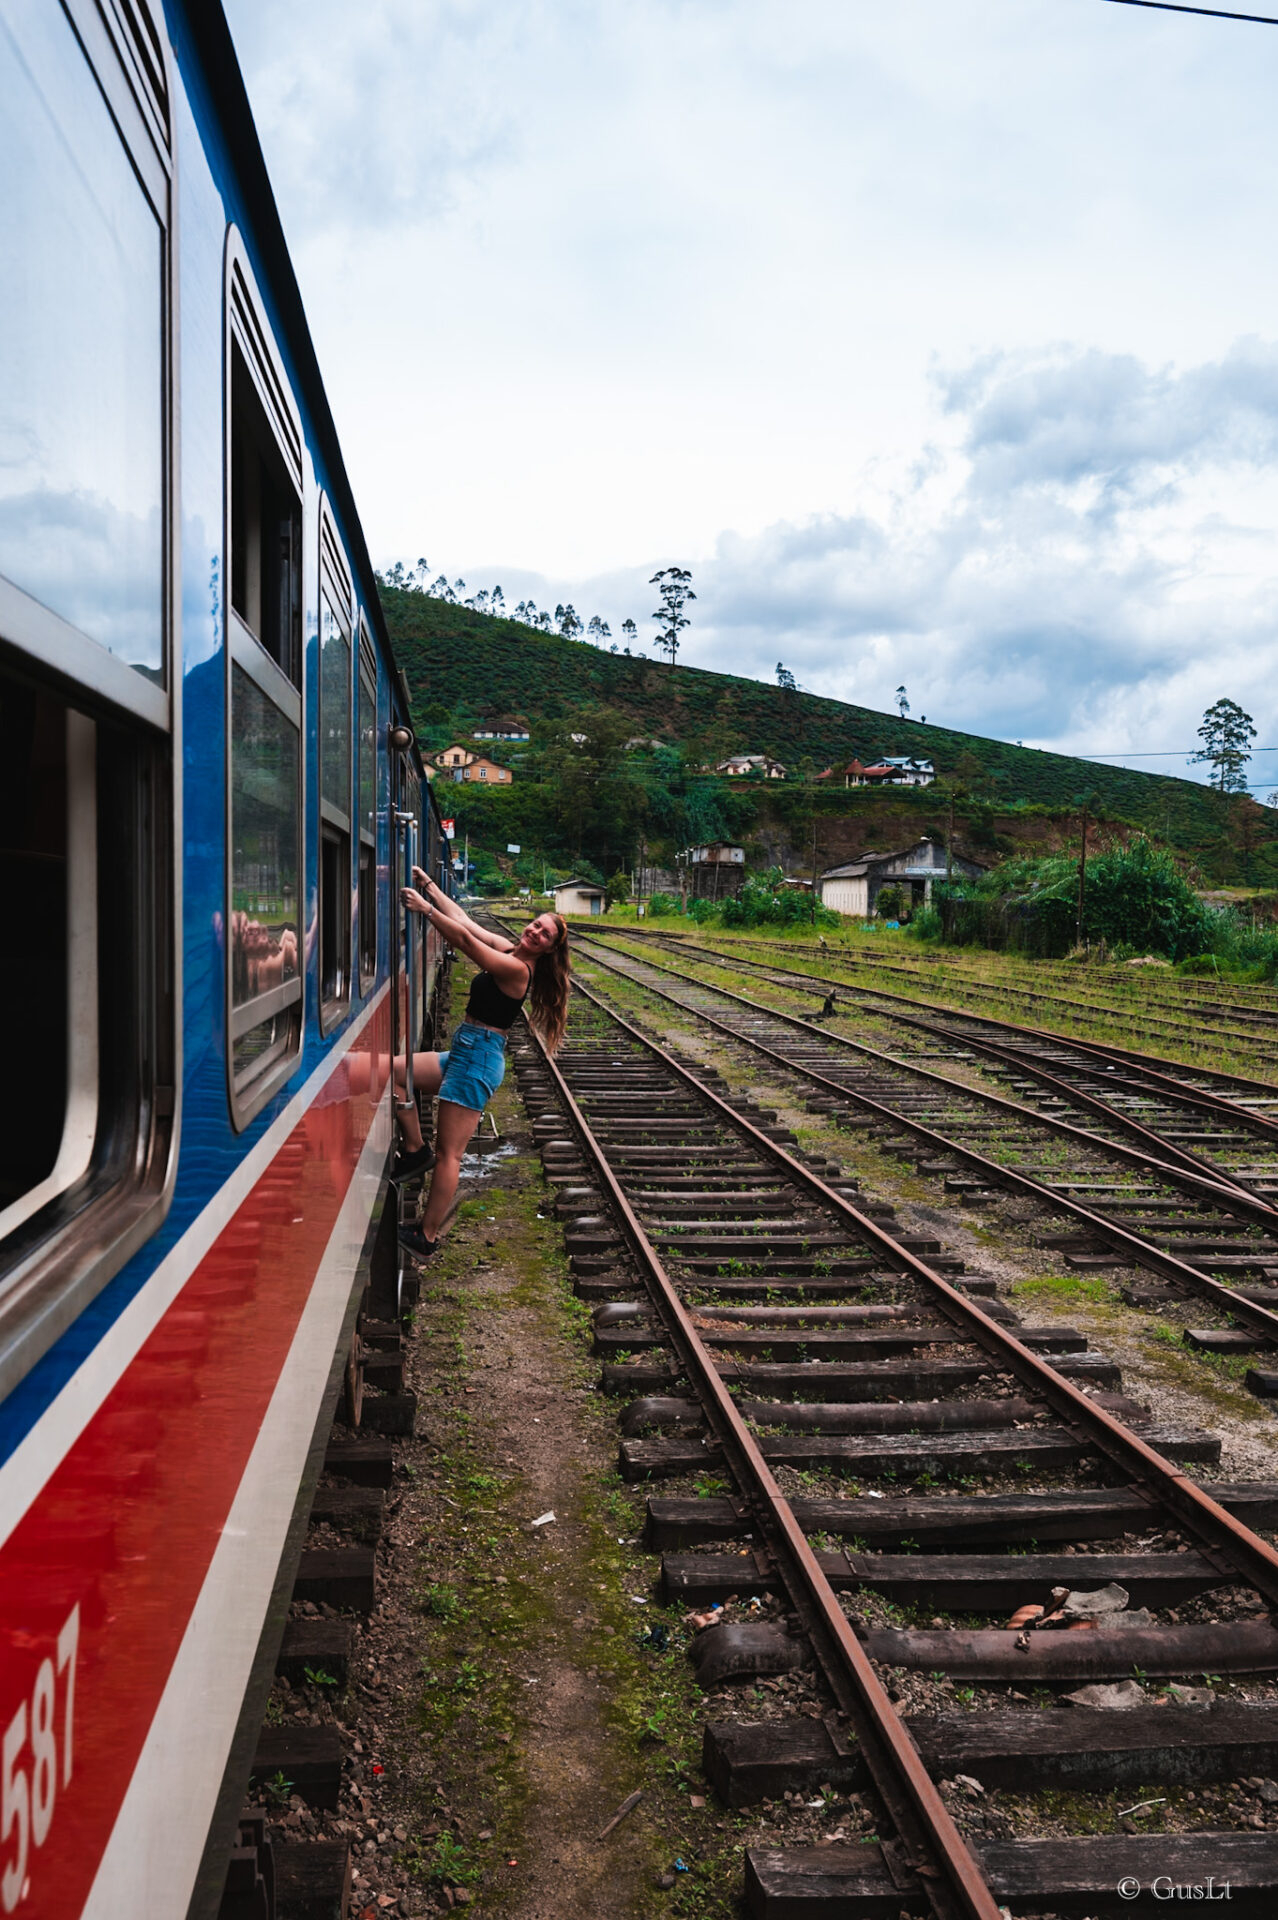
(482, 768)
(909, 772)
(741, 765)
(887, 771)
(578, 896)
(459, 763)
(854, 888)
(506, 726)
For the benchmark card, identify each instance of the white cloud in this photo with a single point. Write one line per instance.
(936, 336)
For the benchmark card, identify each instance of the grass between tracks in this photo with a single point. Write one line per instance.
(513, 1619)
(1145, 1008)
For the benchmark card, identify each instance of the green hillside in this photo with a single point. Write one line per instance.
(464, 667)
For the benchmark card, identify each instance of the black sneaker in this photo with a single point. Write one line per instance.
(414, 1241)
(418, 1160)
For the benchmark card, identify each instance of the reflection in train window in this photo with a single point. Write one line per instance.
(266, 985)
(265, 932)
(336, 906)
(81, 346)
(367, 811)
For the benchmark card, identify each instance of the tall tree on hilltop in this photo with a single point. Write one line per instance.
(1226, 733)
(497, 605)
(630, 631)
(902, 704)
(674, 586)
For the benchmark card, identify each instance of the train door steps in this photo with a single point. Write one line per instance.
(321, 1644)
(1068, 1749)
(993, 1519)
(367, 1462)
(310, 1757)
(313, 1880)
(337, 1577)
(1067, 1877)
(1041, 1447)
(964, 1582)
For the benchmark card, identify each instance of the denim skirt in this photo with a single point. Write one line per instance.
(473, 1067)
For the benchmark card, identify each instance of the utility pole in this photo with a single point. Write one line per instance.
(949, 843)
(814, 866)
(1082, 874)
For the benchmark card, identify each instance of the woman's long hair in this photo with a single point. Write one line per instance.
(548, 1001)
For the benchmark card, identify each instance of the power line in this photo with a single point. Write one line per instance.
(1211, 13)
(1159, 753)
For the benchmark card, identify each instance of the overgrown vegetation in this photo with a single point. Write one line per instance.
(1135, 900)
(465, 667)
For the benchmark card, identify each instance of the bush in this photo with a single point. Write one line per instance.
(660, 903)
(701, 911)
(764, 902)
(1137, 899)
(926, 924)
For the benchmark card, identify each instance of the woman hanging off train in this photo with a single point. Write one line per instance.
(534, 967)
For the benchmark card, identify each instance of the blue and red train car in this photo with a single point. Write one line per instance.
(211, 793)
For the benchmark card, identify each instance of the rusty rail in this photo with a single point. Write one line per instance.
(1259, 1319)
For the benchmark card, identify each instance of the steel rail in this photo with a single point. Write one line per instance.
(1259, 1319)
(955, 1885)
(1256, 1208)
(1020, 993)
(1248, 1556)
(1194, 1163)
(1147, 1062)
(1097, 1049)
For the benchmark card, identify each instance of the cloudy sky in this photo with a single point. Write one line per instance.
(938, 337)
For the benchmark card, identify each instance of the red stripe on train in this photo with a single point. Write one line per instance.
(118, 1544)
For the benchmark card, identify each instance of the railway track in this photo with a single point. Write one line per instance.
(1134, 1196)
(905, 1470)
(1249, 1030)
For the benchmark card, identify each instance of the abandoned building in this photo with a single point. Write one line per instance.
(854, 888)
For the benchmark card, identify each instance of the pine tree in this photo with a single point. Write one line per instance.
(673, 584)
(1226, 733)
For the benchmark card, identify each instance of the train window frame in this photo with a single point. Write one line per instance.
(334, 870)
(366, 839)
(26, 624)
(249, 346)
(112, 1180)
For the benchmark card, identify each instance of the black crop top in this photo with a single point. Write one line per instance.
(490, 1004)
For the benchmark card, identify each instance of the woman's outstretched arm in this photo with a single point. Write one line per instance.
(450, 909)
(510, 974)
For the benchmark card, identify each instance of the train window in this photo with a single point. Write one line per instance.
(266, 529)
(264, 667)
(83, 523)
(334, 777)
(367, 811)
(266, 987)
(85, 955)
